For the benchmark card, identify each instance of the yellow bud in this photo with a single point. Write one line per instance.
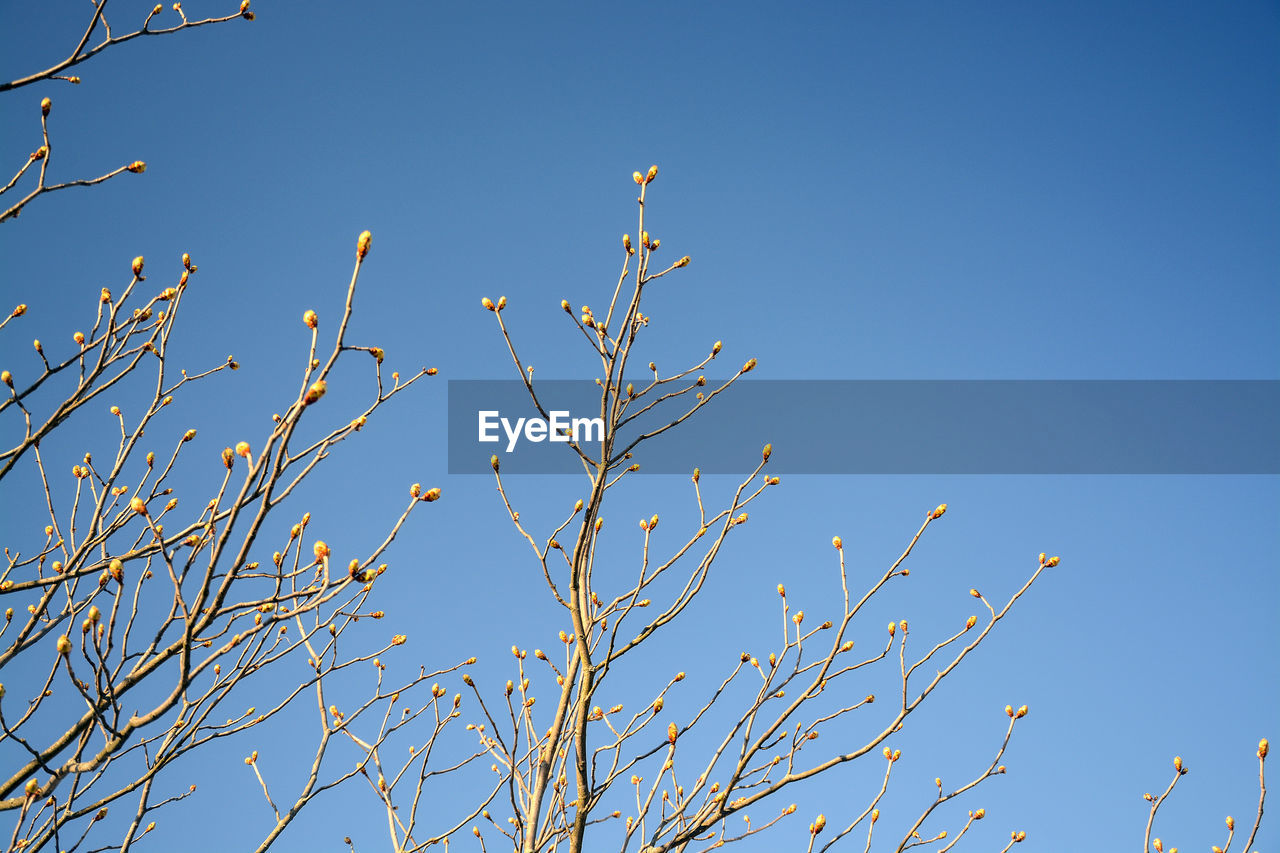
(310, 319)
(749, 366)
(837, 542)
(1022, 712)
(1263, 748)
(637, 177)
(137, 266)
(242, 449)
(32, 787)
(767, 452)
(970, 622)
(320, 549)
(1008, 710)
(683, 262)
(493, 461)
(315, 392)
(819, 824)
(45, 106)
(137, 167)
(672, 731)
(488, 304)
(138, 505)
(363, 242)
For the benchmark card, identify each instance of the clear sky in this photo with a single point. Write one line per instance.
(867, 190)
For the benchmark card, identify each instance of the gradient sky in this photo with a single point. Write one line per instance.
(868, 191)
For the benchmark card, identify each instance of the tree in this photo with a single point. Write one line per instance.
(179, 615)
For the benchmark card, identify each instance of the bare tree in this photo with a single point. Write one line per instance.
(135, 625)
(134, 629)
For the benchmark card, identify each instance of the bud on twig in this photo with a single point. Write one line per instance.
(315, 392)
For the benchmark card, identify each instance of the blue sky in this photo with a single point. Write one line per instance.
(868, 191)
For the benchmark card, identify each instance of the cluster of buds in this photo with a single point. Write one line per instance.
(1022, 712)
(647, 178)
(819, 824)
(248, 16)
